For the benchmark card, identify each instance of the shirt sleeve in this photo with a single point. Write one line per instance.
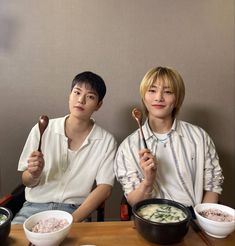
(213, 177)
(30, 145)
(126, 168)
(105, 173)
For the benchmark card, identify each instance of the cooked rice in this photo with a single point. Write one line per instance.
(217, 215)
(49, 225)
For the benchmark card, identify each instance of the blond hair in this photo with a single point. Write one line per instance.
(168, 76)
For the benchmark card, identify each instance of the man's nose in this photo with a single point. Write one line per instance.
(82, 99)
(159, 95)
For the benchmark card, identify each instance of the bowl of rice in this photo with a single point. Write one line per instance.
(48, 228)
(216, 220)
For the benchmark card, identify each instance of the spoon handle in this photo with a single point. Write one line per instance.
(143, 138)
(40, 143)
(201, 233)
(197, 228)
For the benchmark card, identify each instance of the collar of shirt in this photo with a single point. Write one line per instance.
(148, 133)
(95, 133)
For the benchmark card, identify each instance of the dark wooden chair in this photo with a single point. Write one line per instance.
(125, 209)
(15, 200)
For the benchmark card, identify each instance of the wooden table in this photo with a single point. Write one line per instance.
(118, 233)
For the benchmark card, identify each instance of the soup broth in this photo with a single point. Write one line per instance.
(162, 213)
(3, 218)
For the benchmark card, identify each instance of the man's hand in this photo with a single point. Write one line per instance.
(148, 164)
(35, 164)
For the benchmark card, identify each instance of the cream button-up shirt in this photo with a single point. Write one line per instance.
(64, 179)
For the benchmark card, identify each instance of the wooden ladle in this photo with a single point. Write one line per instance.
(42, 124)
(137, 115)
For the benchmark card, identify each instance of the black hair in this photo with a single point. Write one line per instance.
(92, 79)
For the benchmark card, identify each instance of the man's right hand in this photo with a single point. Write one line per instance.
(35, 164)
(148, 164)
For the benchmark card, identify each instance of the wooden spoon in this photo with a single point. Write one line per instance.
(42, 124)
(137, 115)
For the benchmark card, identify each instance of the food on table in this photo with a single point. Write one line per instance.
(49, 225)
(163, 213)
(3, 218)
(217, 215)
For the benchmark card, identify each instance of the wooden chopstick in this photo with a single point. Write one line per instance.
(200, 232)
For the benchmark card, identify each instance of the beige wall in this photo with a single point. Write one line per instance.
(43, 44)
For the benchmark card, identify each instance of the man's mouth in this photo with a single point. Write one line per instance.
(158, 106)
(79, 108)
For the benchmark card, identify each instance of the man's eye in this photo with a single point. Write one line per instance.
(91, 97)
(168, 92)
(76, 92)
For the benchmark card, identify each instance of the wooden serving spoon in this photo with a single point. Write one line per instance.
(42, 124)
(137, 115)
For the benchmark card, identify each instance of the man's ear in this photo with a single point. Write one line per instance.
(99, 105)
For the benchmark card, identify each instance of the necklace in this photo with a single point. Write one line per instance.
(162, 138)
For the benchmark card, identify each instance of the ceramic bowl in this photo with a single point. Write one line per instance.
(47, 238)
(158, 232)
(218, 229)
(5, 223)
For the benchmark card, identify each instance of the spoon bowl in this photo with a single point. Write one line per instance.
(42, 124)
(137, 115)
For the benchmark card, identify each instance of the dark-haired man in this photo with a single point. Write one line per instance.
(76, 152)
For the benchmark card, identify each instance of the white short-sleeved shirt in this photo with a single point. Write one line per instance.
(187, 163)
(68, 178)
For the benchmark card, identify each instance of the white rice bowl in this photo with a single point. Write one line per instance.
(47, 238)
(218, 229)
